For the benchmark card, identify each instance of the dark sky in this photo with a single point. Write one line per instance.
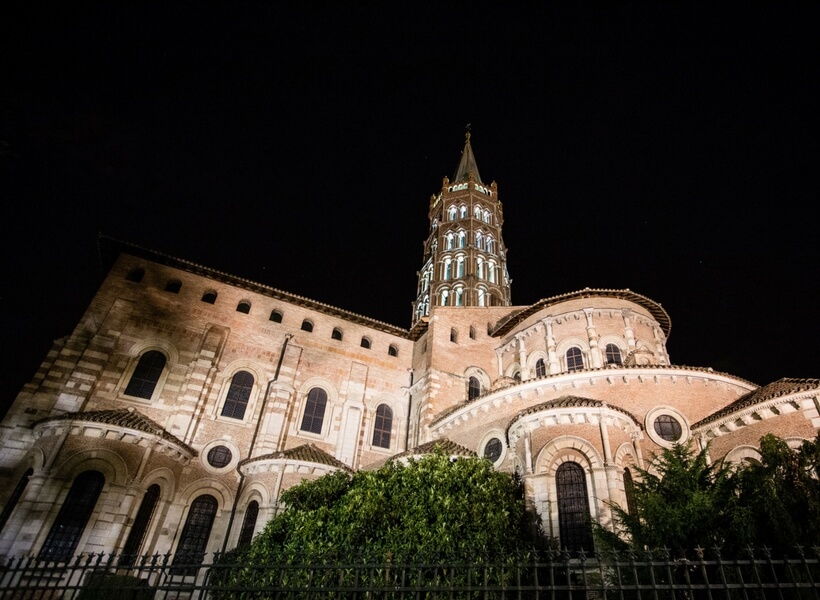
(672, 150)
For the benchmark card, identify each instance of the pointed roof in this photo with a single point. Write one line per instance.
(467, 163)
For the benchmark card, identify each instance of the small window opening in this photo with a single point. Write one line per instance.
(243, 307)
(209, 297)
(173, 286)
(275, 316)
(472, 332)
(135, 275)
(392, 351)
(307, 326)
(337, 334)
(366, 342)
(453, 335)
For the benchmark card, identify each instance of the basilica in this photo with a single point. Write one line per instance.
(187, 399)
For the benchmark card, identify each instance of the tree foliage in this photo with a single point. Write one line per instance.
(431, 510)
(688, 503)
(782, 492)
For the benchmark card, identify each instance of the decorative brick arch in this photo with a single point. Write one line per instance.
(107, 462)
(564, 448)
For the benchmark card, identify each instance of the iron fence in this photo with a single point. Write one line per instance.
(551, 575)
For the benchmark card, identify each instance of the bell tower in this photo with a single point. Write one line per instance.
(465, 259)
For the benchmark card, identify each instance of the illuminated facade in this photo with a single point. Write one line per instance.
(186, 399)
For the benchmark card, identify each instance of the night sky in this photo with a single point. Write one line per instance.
(672, 150)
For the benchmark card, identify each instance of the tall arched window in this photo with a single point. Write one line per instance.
(16, 494)
(451, 213)
(248, 524)
(314, 415)
(448, 269)
(540, 368)
(238, 395)
(629, 490)
(74, 514)
(459, 296)
(450, 241)
(573, 507)
(194, 538)
(140, 527)
(146, 375)
(445, 294)
(613, 355)
(382, 426)
(473, 388)
(575, 359)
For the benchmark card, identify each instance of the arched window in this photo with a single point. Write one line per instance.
(478, 237)
(459, 296)
(490, 243)
(491, 272)
(248, 524)
(629, 490)
(140, 527)
(613, 355)
(194, 538)
(445, 294)
(365, 342)
(337, 334)
(477, 212)
(462, 239)
(275, 316)
(135, 275)
(540, 368)
(460, 267)
(453, 335)
(482, 297)
(314, 415)
(243, 307)
(462, 211)
(473, 388)
(238, 395)
(173, 286)
(480, 268)
(451, 213)
(448, 269)
(307, 326)
(392, 350)
(146, 375)
(486, 216)
(209, 297)
(16, 494)
(575, 359)
(449, 240)
(573, 507)
(74, 514)
(382, 426)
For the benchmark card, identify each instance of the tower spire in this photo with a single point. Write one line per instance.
(465, 259)
(467, 163)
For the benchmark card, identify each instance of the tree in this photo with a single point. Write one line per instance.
(434, 509)
(782, 494)
(687, 503)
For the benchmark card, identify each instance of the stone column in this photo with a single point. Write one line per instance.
(595, 358)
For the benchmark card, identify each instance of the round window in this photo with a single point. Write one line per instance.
(668, 428)
(492, 450)
(219, 456)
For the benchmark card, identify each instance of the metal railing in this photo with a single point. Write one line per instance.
(550, 575)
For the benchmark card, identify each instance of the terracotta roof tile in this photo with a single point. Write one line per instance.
(445, 445)
(304, 453)
(126, 417)
(781, 387)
